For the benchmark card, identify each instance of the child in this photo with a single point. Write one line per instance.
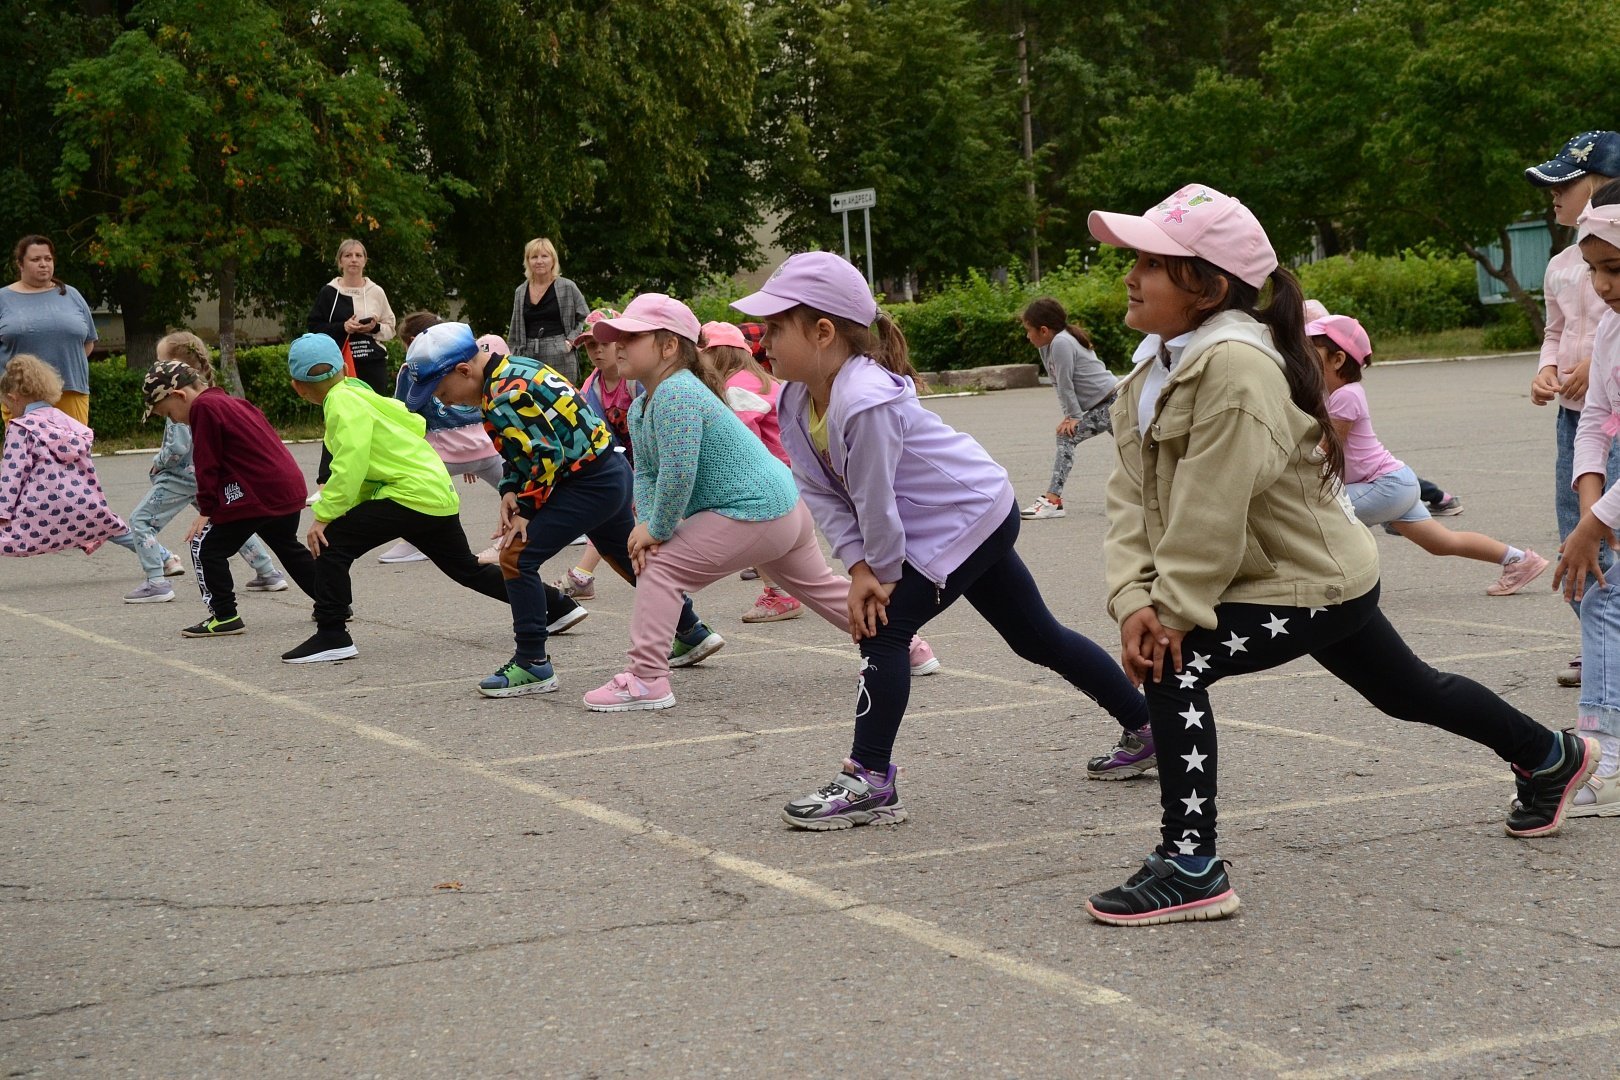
(1573, 311)
(247, 483)
(561, 477)
(1085, 389)
(174, 487)
(1231, 548)
(50, 496)
(918, 513)
(609, 395)
(1381, 488)
(728, 361)
(709, 499)
(1599, 600)
(385, 482)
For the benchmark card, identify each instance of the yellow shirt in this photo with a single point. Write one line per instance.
(818, 430)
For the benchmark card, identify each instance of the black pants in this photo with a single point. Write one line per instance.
(1353, 641)
(380, 521)
(375, 374)
(212, 549)
(1430, 492)
(999, 586)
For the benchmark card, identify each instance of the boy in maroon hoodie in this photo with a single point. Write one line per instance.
(247, 483)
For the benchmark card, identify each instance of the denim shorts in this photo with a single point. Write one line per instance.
(1391, 497)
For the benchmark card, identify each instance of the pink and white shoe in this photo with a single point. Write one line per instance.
(490, 556)
(626, 693)
(773, 605)
(1516, 575)
(923, 660)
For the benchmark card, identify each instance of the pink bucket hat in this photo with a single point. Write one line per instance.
(589, 333)
(646, 313)
(1344, 332)
(717, 334)
(1196, 221)
(819, 280)
(493, 345)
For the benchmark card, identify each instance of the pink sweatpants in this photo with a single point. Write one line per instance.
(710, 546)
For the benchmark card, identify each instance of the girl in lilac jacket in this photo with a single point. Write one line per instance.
(50, 498)
(918, 512)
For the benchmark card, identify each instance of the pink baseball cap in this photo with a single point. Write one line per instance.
(589, 333)
(1315, 309)
(493, 345)
(648, 312)
(717, 334)
(1344, 332)
(1196, 221)
(819, 280)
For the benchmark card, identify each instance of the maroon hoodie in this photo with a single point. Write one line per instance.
(243, 470)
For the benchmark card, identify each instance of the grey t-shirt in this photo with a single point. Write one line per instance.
(1080, 379)
(51, 325)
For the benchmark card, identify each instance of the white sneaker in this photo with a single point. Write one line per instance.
(1042, 508)
(581, 539)
(314, 498)
(1598, 797)
(402, 552)
(490, 556)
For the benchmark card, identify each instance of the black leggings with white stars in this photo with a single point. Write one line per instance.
(1352, 640)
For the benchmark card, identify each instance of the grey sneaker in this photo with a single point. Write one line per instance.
(856, 796)
(151, 592)
(1133, 755)
(267, 583)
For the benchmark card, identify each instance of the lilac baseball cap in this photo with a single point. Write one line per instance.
(1196, 221)
(646, 313)
(1344, 332)
(819, 280)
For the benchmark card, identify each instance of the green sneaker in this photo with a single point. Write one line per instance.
(694, 646)
(216, 628)
(516, 679)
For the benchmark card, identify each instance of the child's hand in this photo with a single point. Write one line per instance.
(316, 538)
(1574, 386)
(868, 602)
(1579, 557)
(469, 478)
(1068, 426)
(516, 531)
(196, 529)
(1544, 387)
(508, 512)
(1144, 643)
(641, 545)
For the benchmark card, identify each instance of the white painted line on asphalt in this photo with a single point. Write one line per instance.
(839, 901)
(1450, 1052)
(1504, 627)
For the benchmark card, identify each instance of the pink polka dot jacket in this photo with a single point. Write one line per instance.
(50, 497)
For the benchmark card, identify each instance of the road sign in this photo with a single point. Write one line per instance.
(861, 199)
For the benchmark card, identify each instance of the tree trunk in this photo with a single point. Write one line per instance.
(141, 329)
(227, 326)
(1504, 273)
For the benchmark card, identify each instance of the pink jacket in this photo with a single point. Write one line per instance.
(50, 498)
(756, 408)
(1573, 312)
(1600, 419)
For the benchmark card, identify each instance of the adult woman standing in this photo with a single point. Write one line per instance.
(547, 311)
(353, 311)
(42, 315)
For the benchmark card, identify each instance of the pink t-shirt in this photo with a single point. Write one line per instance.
(1365, 458)
(755, 406)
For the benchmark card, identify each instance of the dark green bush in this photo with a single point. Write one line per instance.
(1411, 293)
(1509, 328)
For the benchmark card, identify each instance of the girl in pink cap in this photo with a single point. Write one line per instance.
(1232, 547)
(918, 513)
(609, 395)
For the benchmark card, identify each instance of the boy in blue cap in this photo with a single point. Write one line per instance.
(560, 459)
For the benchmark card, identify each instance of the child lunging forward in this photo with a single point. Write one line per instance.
(50, 496)
(917, 512)
(1381, 487)
(609, 395)
(1231, 548)
(1085, 389)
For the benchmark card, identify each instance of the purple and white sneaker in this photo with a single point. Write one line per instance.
(856, 796)
(1132, 756)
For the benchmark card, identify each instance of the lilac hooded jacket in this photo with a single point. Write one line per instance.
(903, 485)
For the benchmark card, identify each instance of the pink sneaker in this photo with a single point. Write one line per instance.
(773, 605)
(490, 556)
(626, 693)
(923, 660)
(1517, 575)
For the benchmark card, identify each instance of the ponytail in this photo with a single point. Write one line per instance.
(189, 349)
(686, 357)
(1047, 313)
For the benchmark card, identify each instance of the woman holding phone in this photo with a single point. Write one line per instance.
(353, 311)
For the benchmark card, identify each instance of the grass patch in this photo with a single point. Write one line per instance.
(1461, 341)
(153, 434)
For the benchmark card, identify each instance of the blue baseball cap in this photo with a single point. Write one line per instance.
(1589, 152)
(431, 356)
(312, 351)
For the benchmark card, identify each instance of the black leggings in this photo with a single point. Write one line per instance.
(999, 586)
(1352, 640)
(212, 549)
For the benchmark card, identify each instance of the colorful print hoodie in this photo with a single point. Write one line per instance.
(541, 427)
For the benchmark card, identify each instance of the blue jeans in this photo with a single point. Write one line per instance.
(1566, 503)
(1600, 660)
(1390, 498)
(171, 493)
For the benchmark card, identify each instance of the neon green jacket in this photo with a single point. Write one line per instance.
(378, 452)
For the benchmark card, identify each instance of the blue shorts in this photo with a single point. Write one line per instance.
(1391, 497)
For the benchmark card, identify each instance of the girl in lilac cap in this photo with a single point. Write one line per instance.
(919, 514)
(1232, 547)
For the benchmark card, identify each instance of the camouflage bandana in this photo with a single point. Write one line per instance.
(163, 378)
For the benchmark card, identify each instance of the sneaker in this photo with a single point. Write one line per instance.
(578, 586)
(314, 498)
(749, 574)
(1448, 506)
(696, 646)
(322, 647)
(570, 618)
(151, 592)
(626, 693)
(923, 660)
(1133, 755)
(1516, 575)
(1571, 675)
(1042, 508)
(173, 567)
(517, 678)
(1544, 796)
(1598, 797)
(267, 583)
(773, 605)
(212, 627)
(1165, 892)
(490, 556)
(402, 552)
(580, 539)
(856, 796)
